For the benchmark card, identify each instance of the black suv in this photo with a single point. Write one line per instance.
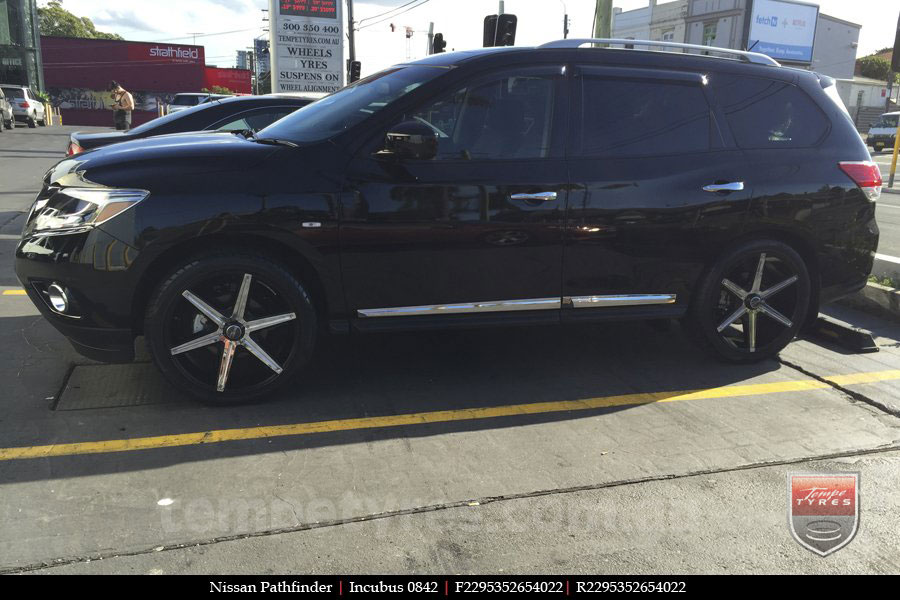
(555, 184)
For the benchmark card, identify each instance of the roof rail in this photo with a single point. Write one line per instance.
(751, 57)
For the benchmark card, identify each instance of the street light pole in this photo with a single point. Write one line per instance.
(351, 24)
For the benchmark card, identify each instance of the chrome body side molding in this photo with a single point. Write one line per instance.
(464, 308)
(622, 300)
(519, 305)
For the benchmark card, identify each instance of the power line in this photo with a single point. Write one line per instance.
(387, 11)
(395, 15)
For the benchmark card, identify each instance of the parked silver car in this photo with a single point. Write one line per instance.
(7, 120)
(27, 107)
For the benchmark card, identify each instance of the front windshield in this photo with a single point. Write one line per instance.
(888, 121)
(350, 105)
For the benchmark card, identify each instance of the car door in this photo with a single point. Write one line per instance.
(655, 188)
(476, 229)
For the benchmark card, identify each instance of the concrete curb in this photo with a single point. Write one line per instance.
(876, 299)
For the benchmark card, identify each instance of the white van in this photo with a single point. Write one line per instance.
(883, 132)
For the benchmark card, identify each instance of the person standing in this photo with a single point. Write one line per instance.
(122, 106)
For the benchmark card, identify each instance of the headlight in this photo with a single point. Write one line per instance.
(73, 209)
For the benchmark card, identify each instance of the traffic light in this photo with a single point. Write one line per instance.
(438, 44)
(355, 68)
(490, 30)
(499, 30)
(506, 30)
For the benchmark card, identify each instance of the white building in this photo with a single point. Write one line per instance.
(724, 24)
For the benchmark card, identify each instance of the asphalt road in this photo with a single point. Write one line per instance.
(888, 215)
(602, 449)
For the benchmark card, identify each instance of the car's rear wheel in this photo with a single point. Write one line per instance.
(31, 122)
(752, 302)
(11, 124)
(230, 328)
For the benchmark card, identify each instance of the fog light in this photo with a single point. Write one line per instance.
(58, 298)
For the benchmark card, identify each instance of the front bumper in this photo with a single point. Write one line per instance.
(881, 140)
(94, 269)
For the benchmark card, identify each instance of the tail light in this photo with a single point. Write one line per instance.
(25, 104)
(74, 149)
(866, 175)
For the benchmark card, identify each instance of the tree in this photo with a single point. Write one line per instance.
(874, 68)
(218, 89)
(58, 22)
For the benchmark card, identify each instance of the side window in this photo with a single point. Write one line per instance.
(507, 117)
(253, 120)
(624, 118)
(768, 114)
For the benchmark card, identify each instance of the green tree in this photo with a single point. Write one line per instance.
(218, 89)
(57, 21)
(874, 68)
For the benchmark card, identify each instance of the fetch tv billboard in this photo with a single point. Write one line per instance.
(783, 29)
(306, 41)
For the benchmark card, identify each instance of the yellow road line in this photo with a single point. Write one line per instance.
(440, 416)
(14, 292)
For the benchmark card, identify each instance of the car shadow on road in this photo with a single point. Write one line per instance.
(399, 374)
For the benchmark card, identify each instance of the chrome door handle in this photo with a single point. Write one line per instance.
(736, 186)
(540, 196)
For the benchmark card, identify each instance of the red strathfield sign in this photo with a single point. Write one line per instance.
(824, 510)
(165, 53)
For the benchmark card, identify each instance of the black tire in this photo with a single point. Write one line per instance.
(715, 304)
(171, 321)
(11, 124)
(43, 122)
(31, 123)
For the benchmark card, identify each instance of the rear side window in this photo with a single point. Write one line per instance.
(625, 118)
(769, 114)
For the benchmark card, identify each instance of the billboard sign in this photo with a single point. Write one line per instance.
(783, 29)
(306, 45)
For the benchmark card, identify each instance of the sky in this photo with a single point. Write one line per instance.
(225, 26)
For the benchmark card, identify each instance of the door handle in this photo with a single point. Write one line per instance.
(736, 186)
(540, 196)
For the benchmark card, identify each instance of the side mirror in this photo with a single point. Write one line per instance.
(412, 140)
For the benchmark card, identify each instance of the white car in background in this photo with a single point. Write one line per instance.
(187, 100)
(26, 105)
(883, 133)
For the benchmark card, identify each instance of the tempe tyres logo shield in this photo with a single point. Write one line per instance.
(824, 510)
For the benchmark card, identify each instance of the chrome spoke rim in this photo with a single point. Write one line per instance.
(225, 365)
(753, 303)
(205, 309)
(740, 312)
(233, 332)
(261, 354)
(777, 288)
(269, 322)
(774, 314)
(751, 330)
(200, 342)
(757, 280)
(240, 304)
(734, 289)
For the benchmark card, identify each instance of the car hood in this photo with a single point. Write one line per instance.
(176, 154)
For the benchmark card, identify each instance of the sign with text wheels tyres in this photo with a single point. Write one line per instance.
(306, 45)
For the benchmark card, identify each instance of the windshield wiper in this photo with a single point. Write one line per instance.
(274, 141)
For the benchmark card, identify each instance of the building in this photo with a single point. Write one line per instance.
(661, 21)
(242, 60)
(726, 24)
(78, 72)
(20, 49)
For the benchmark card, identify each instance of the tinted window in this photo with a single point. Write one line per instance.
(769, 114)
(14, 92)
(254, 120)
(180, 100)
(508, 117)
(639, 118)
(351, 104)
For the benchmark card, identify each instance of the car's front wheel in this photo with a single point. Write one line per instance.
(230, 328)
(752, 302)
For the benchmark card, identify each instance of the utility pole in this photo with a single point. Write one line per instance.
(500, 11)
(603, 20)
(351, 24)
(565, 20)
(430, 38)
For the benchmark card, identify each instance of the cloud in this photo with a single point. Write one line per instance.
(112, 20)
